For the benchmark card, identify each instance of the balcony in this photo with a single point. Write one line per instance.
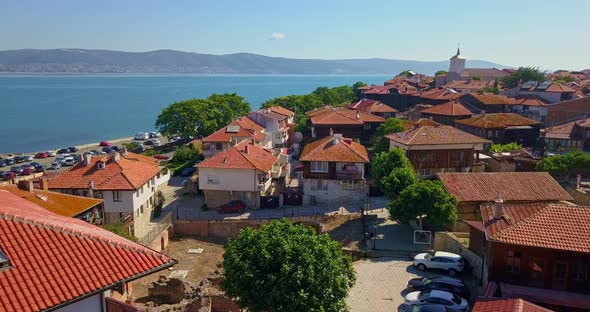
(348, 175)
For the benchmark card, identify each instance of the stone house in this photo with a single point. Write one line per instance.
(566, 137)
(240, 129)
(374, 107)
(447, 113)
(502, 128)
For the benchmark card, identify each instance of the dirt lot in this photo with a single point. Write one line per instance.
(349, 234)
(199, 266)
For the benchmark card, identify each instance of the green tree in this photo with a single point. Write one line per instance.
(159, 204)
(190, 118)
(284, 266)
(564, 79)
(572, 163)
(476, 78)
(120, 229)
(391, 125)
(392, 172)
(231, 106)
(509, 147)
(441, 72)
(426, 200)
(355, 88)
(523, 74)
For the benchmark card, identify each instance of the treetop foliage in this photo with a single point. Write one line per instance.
(523, 74)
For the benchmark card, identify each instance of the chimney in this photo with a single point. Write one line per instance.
(482, 112)
(498, 208)
(87, 159)
(246, 149)
(43, 183)
(26, 185)
(331, 132)
(358, 115)
(91, 189)
(117, 156)
(124, 151)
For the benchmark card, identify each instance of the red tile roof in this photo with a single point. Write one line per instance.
(530, 100)
(126, 173)
(283, 111)
(337, 150)
(510, 186)
(59, 203)
(55, 259)
(435, 135)
(567, 130)
(554, 226)
(483, 73)
(506, 305)
(240, 128)
(559, 88)
(341, 116)
(581, 105)
(551, 297)
(473, 85)
(497, 121)
(440, 94)
(491, 98)
(450, 108)
(372, 106)
(244, 155)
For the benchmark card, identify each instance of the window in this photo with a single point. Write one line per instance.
(427, 157)
(319, 166)
(278, 135)
(560, 271)
(367, 126)
(117, 196)
(211, 179)
(218, 146)
(136, 193)
(580, 272)
(142, 189)
(350, 184)
(512, 261)
(319, 185)
(458, 156)
(141, 209)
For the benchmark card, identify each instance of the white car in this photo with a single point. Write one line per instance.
(450, 262)
(69, 161)
(51, 153)
(447, 299)
(156, 142)
(55, 165)
(141, 136)
(28, 157)
(61, 158)
(154, 135)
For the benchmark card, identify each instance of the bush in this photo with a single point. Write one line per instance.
(500, 148)
(120, 229)
(204, 207)
(159, 204)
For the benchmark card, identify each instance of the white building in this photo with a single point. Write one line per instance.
(234, 133)
(277, 123)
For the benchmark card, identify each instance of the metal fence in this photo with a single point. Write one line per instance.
(156, 229)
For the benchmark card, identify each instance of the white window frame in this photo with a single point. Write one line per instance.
(319, 166)
(350, 184)
(117, 196)
(212, 179)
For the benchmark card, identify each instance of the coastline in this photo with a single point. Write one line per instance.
(81, 147)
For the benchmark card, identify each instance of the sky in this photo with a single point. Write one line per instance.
(547, 34)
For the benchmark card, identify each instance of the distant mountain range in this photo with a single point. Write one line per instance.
(170, 61)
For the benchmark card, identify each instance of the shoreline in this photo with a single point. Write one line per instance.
(80, 147)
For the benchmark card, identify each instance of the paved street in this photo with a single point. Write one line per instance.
(381, 284)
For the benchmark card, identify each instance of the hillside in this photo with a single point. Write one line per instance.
(170, 61)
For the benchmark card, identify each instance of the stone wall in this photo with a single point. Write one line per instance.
(451, 242)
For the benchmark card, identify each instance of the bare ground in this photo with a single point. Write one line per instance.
(349, 234)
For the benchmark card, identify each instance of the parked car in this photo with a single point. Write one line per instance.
(141, 136)
(55, 165)
(187, 172)
(233, 206)
(72, 149)
(173, 138)
(148, 143)
(27, 171)
(16, 169)
(116, 148)
(10, 161)
(19, 159)
(40, 168)
(8, 175)
(2, 162)
(51, 153)
(436, 297)
(28, 157)
(154, 135)
(42, 155)
(61, 158)
(450, 262)
(448, 284)
(162, 157)
(104, 143)
(108, 150)
(69, 161)
(156, 142)
(96, 152)
(425, 308)
(63, 151)
(28, 166)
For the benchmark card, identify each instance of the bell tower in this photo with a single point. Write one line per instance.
(457, 65)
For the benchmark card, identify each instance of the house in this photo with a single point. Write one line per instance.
(127, 182)
(334, 171)
(447, 113)
(537, 251)
(374, 107)
(476, 188)
(502, 128)
(50, 262)
(278, 123)
(470, 85)
(457, 71)
(513, 161)
(230, 135)
(438, 148)
(80, 207)
(568, 111)
(488, 102)
(565, 137)
(551, 91)
(530, 106)
(437, 96)
(243, 172)
(350, 123)
(506, 305)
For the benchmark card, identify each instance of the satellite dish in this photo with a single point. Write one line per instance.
(298, 137)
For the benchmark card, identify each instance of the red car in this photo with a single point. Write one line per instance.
(8, 175)
(233, 206)
(162, 157)
(104, 143)
(27, 171)
(42, 155)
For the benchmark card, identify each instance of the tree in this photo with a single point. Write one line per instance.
(564, 79)
(355, 88)
(500, 148)
(425, 198)
(441, 72)
(392, 172)
(476, 78)
(574, 162)
(231, 106)
(159, 204)
(523, 74)
(391, 125)
(284, 266)
(190, 118)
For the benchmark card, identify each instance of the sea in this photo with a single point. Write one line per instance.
(42, 112)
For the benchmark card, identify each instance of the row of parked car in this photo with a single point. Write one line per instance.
(437, 294)
(22, 170)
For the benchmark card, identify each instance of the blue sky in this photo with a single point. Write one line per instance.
(548, 34)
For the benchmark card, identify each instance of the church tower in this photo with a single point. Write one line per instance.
(457, 65)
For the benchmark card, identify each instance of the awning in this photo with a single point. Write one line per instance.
(546, 296)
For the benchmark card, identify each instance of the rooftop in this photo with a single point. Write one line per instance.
(435, 135)
(554, 226)
(372, 106)
(497, 121)
(440, 94)
(55, 260)
(567, 130)
(240, 128)
(335, 148)
(470, 84)
(510, 186)
(450, 108)
(244, 155)
(283, 111)
(120, 172)
(491, 98)
(483, 73)
(506, 305)
(328, 115)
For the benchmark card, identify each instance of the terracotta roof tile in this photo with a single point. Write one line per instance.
(470, 84)
(530, 100)
(56, 259)
(435, 135)
(244, 155)
(341, 116)
(581, 105)
(567, 130)
(554, 226)
(510, 186)
(506, 305)
(240, 128)
(559, 88)
(497, 121)
(127, 173)
(440, 94)
(450, 108)
(59, 203)
(483, 73)
(372, 106)
(344, 150)
(491, 98)
(283, 111)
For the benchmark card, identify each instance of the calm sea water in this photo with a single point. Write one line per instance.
(40, 112)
